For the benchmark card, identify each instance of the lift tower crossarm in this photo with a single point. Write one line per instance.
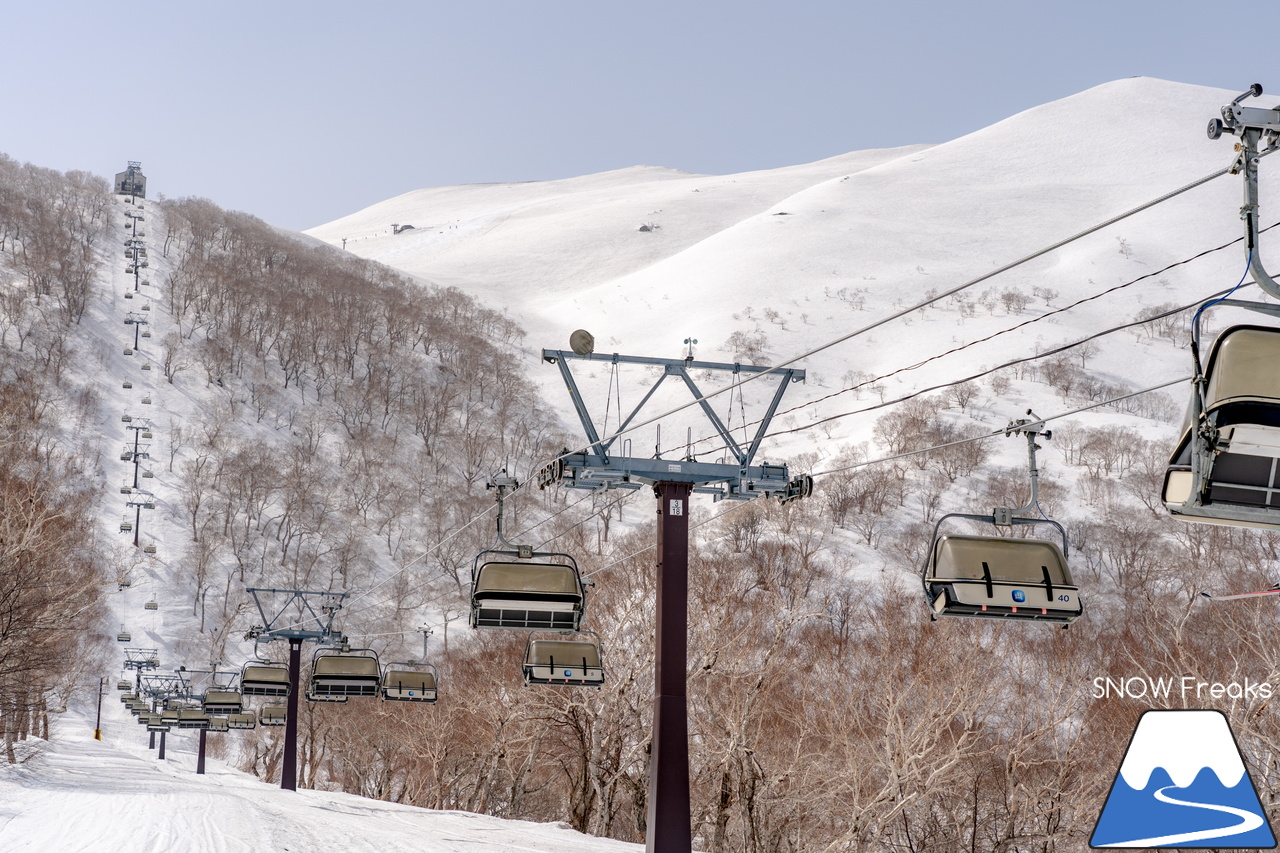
(595, 467)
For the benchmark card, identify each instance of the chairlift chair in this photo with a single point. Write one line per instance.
(564, 661)
(192, 718)
(146, 366)
(149, 549)
(273, 715)
(340, 673)
(218, 724)
(124, 685)
(1225, 468)
(404, 682)
(126, 385)
(153, 722)
(124, 637)
(151, 604)
(147, 475)
(223, 702)
(1000, 577)
(525, 596)
(262, 678)
(245, 720)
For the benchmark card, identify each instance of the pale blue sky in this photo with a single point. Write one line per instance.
(303, 112)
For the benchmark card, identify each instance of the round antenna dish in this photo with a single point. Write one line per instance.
(582, 342)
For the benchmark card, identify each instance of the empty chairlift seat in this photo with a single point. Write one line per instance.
(1239, 477)
(124, 685)
(124, 637)
(223, 702)
(273, 715)
(264, 679)
(218, 724)
(565, 662)
(997, 577)
(338, 674)
(192, 718)
(246, 720)
(151, 605)
(401, 683)
(527, 596)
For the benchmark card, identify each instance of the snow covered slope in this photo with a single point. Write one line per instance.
(115, 796)
(510, 244)
(809, 254)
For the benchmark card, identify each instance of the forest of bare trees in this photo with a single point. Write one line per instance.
(348, 421)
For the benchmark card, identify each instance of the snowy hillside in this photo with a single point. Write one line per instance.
(833, 246)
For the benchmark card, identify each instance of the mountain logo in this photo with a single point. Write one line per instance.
(1183, 783)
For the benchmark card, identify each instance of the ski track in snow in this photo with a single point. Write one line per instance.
(1249, 821)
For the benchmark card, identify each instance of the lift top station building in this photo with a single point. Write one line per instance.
(131, 181)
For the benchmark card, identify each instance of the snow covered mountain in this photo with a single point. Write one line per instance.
(804, 255)
(761, 266)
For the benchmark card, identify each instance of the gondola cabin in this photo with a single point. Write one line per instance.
(341, 674)
(1000, 578)
(264, 679)
(223, 702)
(563, 662)
(1234, 442)
(273, 715)
(400, 684)
(527, 596)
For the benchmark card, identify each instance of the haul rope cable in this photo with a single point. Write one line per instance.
(864, 383)
(886, 404)
(870, 327)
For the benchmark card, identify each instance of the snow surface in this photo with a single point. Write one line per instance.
(115, 796)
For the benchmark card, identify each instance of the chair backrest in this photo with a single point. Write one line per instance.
(358, 666)
(1011, 560)
(1242, 366)
(536, 578)
(567, 652)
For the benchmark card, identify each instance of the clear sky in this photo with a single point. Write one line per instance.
(301, 112)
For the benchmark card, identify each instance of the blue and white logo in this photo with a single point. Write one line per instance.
(1183, 783)
(1019, 596)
